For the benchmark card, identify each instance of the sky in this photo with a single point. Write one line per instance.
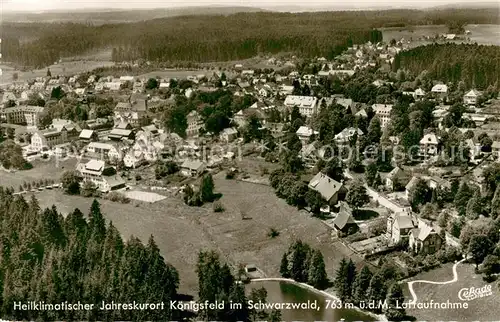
(44, 5)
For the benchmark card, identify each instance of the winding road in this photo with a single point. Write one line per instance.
(455, 278)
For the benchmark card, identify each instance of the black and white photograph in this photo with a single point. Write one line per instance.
(249, 161)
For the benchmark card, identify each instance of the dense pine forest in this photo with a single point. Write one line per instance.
(45, 257)
(478, 66)
(218, 38)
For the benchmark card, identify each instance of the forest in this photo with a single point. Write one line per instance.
(476, 65)
(218, 37)
(45, 257)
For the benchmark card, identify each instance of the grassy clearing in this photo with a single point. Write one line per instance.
(41, 170)
(479, 309)
(482, 34)
(181, 231)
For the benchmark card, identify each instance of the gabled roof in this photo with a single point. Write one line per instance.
(86, 134)
(404, 221)
(396, 172)
(305, 131)
(192, 165)
(430, 138)
(473, 93)
(95, 165)
(325, 185)
(439, 88)
(412, 183)
(343, 219)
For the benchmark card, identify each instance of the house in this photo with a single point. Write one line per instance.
(425, 239)
(133, 159)
(307, 104)
(331, 190)
(410, 186)
(450, 36)
(419, 93)
(440, 90)
(471, 97)
(344, 223)
(286, 89)
(73, 129)
(192, 168)
(347, 134)
(47, 139)
(396, 179)
(104, 151)
(118, 134)
(229, 134)
(94, 170)
(194, 124)
(304, 133)
(429, 145)
(88, 135)
(399, 226)
(308, 154)
(383, 112)
(24, 114)
(276, 129)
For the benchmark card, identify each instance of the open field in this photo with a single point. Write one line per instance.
(181, 231)
(478, 309)
(65, 68)
(482, 34)
(41, 170)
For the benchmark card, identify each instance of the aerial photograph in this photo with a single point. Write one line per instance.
(225, 160)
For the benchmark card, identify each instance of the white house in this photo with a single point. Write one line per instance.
(229, 134)
(93, 171)
(105, 150)
(192, 168)
(383, 112)
(441, 90)
(304, 133)
(307, 104)
(429, 145)
(419, 93)
(347, 134)
(471, 97)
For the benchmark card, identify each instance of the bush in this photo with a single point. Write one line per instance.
(230, 174)
(273, 233)
(138, 178)
(217, 206)
(117, 197)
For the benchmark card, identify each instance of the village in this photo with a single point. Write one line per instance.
(150, 138)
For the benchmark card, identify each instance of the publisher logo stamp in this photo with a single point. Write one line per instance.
(469, 294)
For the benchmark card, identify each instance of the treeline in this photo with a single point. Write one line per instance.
(477, 65)
(218, 38)
(46, 257)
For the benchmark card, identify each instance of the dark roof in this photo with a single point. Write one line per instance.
(343, 219)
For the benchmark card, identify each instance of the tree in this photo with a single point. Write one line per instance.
(491, 265)
(15, 76)
(317, 272)
(377, 290)
(334, 169)
(344, 279)
(57, 93)
(207, 188)
(71, 182)
(284, 267)
(361, 285)
(175, 120)
(152, 83)
(314, 200)
(357, 196)
(371, 174)
(374, 131)
(49, 74)
(420, 194)
(474, 206)
(88, 189)
(495, 204)
(479, 247)
(395, 298)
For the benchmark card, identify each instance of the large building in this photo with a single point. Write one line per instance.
(383, 112)
(28, 115)
(194, 124)
(307, 104)
(93, 171)
(48, 139)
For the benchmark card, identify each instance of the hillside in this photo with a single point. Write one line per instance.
(475, 65)
(206, 38)
(98, 17)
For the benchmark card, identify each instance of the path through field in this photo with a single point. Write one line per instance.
(455, 278)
